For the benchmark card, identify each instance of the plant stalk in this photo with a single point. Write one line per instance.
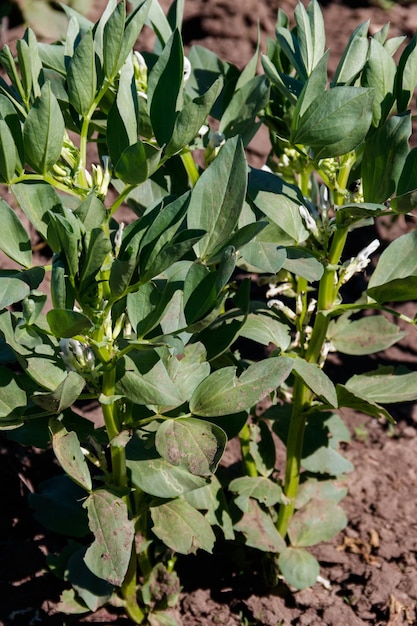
(247, 460)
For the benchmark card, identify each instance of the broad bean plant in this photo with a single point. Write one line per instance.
(128, 173)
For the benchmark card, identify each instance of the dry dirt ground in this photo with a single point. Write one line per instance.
(369, 570)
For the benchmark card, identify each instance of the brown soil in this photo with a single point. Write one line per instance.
(369, 571)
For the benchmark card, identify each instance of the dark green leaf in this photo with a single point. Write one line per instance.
(164, 85)
(379, 74)
(354, 57)
(43, 132)
(336, 122)
(14, 240)
(217, 198)
(191, 117)
(58, 507)
(384, 158)
(67, 323)
(36, 199)
(81, 75)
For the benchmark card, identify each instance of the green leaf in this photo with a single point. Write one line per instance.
(64, 396)
(193, 444)
(81, 75)
(261, 327)
(384, 158)
(91, 212)
(287, 86)
(240, 114)
(164, 85)
(388, 388)
(223, 393)
(67, 449)
(12, 290)
(280, 202)
(259, 529)
(43, 132)
(160, 478)
(58, 507)
(217, 198)
(354, 57)
(310, 34)
(8, 153)
(313, 488)
(407, 178)
(314, 87)
(259, 488)
(191, 117)
(188, 371)
(354, 401)
(14, 240)
(211, 499)
(99, 247)
(317, 521)
(119, 35)
(9, 114)
(13, 400)
(299, 568)
(263, 256)
(262, 448)
(143, 378)
(406, 79)
(336, 122)
(123, 117)
(67, 323)
(395, 276)
(379, 74)
(302, 263)
(37, 199)
(364, 336)
(94, 591)
(181, 527)
(316, 380)
(137, 162)
(289, 44)
(108, 557)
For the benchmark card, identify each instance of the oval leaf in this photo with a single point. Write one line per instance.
(193, 444)
(223, 393)
(108, 557)
(181, 527)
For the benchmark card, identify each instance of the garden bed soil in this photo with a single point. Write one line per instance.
(369, 571)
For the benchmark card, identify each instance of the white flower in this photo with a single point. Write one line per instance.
(359, 262)
(187, 69)
(310, 222)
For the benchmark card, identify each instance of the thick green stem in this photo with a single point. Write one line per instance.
(247, 460)
(190, 167)
(111, 420)
(133, 610)
(295, 442)
(302, 396)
